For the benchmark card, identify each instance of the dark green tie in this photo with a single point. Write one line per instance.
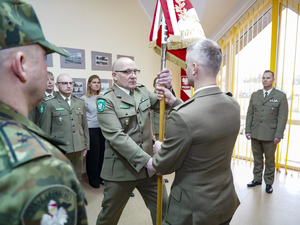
(67, 100)
(131, 93)
(266, 94)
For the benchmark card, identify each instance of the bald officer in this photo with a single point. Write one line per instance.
(198, 144)
(265, 123)
(124, 118)
(64, 117)
(37, 182)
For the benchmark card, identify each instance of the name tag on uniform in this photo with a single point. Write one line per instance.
(124, 107)
(59, 109)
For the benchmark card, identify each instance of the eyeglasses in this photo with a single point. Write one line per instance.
(66, 83)
(128, 72)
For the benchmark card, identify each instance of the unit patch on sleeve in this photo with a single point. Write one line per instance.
(53, 205)
(100, 105)
(42, 109)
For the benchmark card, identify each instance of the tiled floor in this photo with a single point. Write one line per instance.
(282, 207)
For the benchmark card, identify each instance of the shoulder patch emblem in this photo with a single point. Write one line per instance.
(42, 109)
(100, 105)
(53, 205)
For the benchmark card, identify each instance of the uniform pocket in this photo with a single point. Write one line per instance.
(174, 206)
(60, 117)
(79, 114)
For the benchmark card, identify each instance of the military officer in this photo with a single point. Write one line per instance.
(265, 123)
(38, 184)
(198, 144)
(124, 118)
(49, 93)
(64, 117)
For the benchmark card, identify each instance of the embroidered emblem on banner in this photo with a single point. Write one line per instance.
(100, 105)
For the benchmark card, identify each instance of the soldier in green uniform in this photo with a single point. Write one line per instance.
(265, 123)
(64, 117)
(198, 145)
(124, 118)
(38, 184)
(49, 93)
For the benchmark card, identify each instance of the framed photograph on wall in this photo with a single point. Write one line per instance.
(101, 61)
(79, 87)
(49, 60)
(75, 61)
(106, 83)
(131, 57)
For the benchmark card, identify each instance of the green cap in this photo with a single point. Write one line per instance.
(20, 26)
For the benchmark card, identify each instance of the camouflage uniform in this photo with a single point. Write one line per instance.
(37, 181)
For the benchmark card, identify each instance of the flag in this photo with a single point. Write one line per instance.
(183, 28)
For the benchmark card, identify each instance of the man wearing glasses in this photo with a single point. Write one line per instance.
(64, 117)
(124, 118)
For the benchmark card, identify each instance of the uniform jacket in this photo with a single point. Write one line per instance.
(29, 182)
(67, 123)
(34, 114)
(266, 118)
(126, 126)
(198, 144)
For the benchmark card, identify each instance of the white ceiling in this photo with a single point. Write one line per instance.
(216, 16)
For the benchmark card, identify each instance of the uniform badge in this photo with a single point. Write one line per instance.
(53, 205)
(60, 119)
(42, 109)
(126, 121)
(100, 105)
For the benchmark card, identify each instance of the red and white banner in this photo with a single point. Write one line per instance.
(185, 88)
(183, 28)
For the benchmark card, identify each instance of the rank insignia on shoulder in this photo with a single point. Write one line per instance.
(42, 109)
(100, 105)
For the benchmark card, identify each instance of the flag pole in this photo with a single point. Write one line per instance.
(161, 119)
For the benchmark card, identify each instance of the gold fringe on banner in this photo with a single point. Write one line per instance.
(179, 62)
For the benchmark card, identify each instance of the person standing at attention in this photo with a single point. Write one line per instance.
(198, 144)
(64, 118)
(265, 124)
(37, 182)
(95, 155)
(49, 93)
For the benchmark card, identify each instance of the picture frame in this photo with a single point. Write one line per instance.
(49, 60)
(106, 83)
(79, 87)
(101, 61)
(128, 56)
(75, 61)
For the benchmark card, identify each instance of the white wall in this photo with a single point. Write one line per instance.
(112, 26)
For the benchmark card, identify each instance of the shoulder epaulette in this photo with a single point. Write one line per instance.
(77, 98)
(228, 93)
(106, 91)
(183, 104)
(280, 91)
(49, 98)
(139, 85)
